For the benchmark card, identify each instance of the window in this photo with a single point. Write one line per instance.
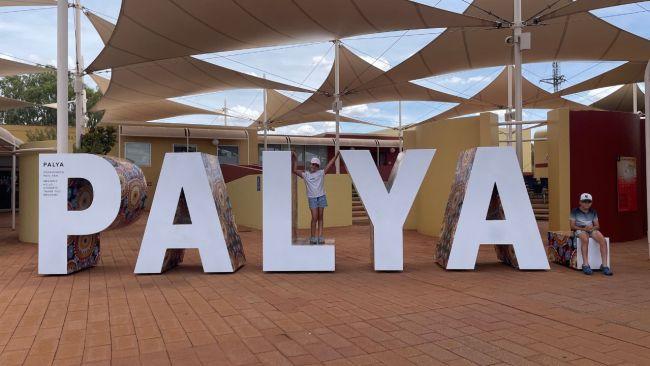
(184, 148)
(270, 147)
(319, 152)
(228, 154)
(138, 152)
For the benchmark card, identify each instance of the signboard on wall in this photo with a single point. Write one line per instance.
(627, 184)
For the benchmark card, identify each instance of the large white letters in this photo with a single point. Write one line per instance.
(279, 251)
(184, 172)
(55, 221)
(493, 165)
(388, 206)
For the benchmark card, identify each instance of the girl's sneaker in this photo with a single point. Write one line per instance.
(321, 240)
(586, 270)
(312, 240)
(606, 271)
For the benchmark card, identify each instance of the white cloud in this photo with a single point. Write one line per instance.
(457, 80)
(307, 129)
(361, 110)
(241, 111)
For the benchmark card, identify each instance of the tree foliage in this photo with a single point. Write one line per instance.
(40, 89)
(98, 140)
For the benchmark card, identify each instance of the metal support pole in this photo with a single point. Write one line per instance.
(400, 131)
(635, 107)
(517, 27)
(13, 188)
(337, 101)
(119, 142)
(266, 120)
(509, 114)
(79, 90)
(225, 112)
(62, 77)
(647, 144)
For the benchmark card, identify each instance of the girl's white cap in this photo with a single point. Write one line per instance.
(315, 161)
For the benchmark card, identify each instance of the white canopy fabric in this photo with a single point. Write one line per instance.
(27, 2)
(355, 71)
(580, 36)
(149, 30)
(144, 112)
(11, 68)
(495, 97)
(158, 80)
(8, 103)
(622, 100)
(279, 106)
(628, 73)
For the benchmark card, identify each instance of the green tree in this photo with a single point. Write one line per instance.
(98, 140)
(40, 89)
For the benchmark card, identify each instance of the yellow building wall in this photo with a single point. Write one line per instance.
(540, 154)
(339, 202)
(449, 138)
(28, 191)
(246, 202)
(559, 170)
(527, 147)
(162, 145)
(410, 141)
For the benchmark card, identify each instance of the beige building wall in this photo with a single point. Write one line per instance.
(526, 145)
(449, 138)
(540, 154)
(559, 170)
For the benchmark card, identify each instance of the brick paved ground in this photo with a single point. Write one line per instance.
(423, 316)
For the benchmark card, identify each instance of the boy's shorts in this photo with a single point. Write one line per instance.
(589, 233)
(318, 202)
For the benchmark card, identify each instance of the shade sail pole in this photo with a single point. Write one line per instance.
(79, 90)
(62, 77)
(266, 120)
(509, 114)
(400, 132)
(337, 102)
(518, 76)
(647, 145)
(13, 187)
(225, 111)
(635, 107)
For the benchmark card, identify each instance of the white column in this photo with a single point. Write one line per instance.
(647, 144)
(79, 90)
(635, 107)
(337, 102)
(266, 120)
(62, 77)
(518, 76)
(509, 114)
(400, 132)
(225, 111)
(13, 187)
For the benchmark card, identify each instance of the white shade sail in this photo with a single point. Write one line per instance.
(153, 81)
(580, 36)
(279, 106)
(149, 30)
(143, 112)
(27, 2)
(11, 68)
(8, 103)
(622, 100)
(355, 71)
(628, 73)
(495, 97)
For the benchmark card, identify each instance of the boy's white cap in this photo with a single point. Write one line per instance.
(315, 161)
(585, 197)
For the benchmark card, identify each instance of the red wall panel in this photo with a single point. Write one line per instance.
(597, 139)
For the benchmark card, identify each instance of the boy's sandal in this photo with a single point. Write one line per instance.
(606, 271)
(587, 270)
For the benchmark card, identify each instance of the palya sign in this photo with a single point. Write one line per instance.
(195, 181)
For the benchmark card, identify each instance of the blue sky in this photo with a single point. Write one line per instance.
(29, 34)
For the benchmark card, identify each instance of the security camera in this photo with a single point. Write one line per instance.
(509, 40)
